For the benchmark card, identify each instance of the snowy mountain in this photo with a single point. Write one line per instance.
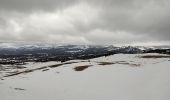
(79, 72)
(19, 53)
(119, 76)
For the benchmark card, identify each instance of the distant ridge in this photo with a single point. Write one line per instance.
(20, 53)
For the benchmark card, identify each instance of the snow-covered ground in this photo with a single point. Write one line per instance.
(116, 77)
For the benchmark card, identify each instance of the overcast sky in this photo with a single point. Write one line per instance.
(85, 21)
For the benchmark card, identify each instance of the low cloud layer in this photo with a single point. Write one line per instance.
(85, 21)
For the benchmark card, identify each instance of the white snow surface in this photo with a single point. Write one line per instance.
(149, 80)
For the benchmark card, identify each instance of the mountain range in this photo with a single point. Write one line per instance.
(20, 53)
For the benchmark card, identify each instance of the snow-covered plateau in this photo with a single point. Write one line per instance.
(114, 77)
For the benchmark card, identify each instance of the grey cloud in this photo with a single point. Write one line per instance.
(88, 21)
(32, 5)
(149, 17)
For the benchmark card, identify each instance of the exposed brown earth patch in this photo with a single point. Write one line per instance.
(66, 63)
(24, 72)
(106, 63)
(81, 68)
(19, 89)
(155, 56)
(119, 62)
(1, 79)
(130, 64)
(9, 67)
(70, 62)
(45, 68)
(56, 65)
(78, 68)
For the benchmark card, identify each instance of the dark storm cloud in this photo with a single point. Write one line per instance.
(150, 17)
(85, 21)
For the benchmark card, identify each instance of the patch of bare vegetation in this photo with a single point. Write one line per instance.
(66, 63)
(106, 63)
(10, 67)
(78, 68)
(81, 68)
(24, 72)
(19, 89)
(130, 64)
(119, 62)
(70, 63)
(155, 56)
(1, 79)
(44, 68)
(56, 65)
